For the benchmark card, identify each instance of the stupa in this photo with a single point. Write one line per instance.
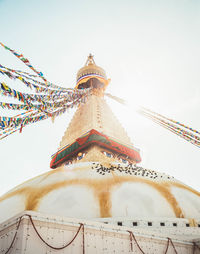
(96, 187)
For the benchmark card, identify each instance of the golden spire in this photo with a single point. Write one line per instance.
(90, 60)
(95, 114)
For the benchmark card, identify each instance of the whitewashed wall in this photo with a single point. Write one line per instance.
(99, 237)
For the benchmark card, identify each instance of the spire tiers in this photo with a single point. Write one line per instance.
(94, 124)
(95, 114)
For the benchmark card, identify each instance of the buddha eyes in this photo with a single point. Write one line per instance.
(68, 163)
(124, 161)
(109, 155)
(80, 156)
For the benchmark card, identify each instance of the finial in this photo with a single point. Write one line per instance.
(88, 72)
(90, 60)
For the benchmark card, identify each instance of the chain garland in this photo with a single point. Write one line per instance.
(19, 222)
(169, 240)
(41, 238)
(131, 237)
(53, 247)
(83, 229)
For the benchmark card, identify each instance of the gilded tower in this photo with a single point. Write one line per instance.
(95, 118)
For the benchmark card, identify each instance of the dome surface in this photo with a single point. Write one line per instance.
(89, 70)
(89, 190)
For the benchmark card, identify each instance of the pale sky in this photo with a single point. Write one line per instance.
(149, 49)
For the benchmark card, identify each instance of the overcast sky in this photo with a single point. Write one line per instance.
(149, 49)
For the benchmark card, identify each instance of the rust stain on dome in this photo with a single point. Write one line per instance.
(102, 189)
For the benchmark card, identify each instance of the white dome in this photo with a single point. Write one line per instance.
(87, 190)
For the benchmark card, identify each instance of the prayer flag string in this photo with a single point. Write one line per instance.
(171, 120)
(186, 132)
(46, 101)
(24, 60)
(32, 83)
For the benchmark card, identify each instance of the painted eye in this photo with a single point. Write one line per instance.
(109, 155)
(80, 156)
(124, 161)
(68, 163)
